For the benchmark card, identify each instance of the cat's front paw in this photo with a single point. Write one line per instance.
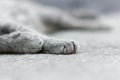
(60, 47)
(69, 47)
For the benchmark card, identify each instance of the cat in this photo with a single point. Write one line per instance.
(23, 24)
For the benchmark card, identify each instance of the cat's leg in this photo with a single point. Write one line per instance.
(28, 42)
(18, 39)
(21, 40)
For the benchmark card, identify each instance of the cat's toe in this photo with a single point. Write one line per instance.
(70, 48)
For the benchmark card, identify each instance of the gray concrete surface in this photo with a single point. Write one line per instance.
(98, 58)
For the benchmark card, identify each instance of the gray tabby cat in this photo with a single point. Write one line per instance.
(22, 24)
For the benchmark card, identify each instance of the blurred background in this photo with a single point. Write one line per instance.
(104, 6)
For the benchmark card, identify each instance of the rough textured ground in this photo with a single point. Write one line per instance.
(98, 58)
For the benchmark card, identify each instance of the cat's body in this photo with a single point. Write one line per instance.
(22, 24)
